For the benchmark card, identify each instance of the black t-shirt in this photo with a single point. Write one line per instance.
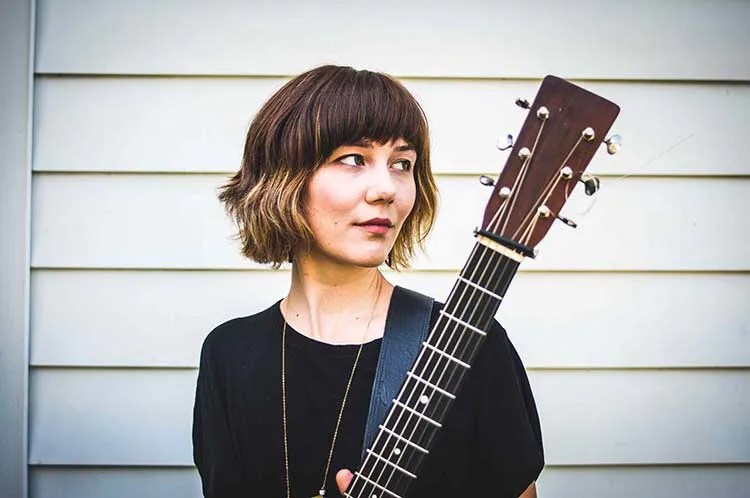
(490, 439)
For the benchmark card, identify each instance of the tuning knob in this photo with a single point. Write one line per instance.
(523, 103)
(614, 143)
(486, 181)
(545, 212)
(505, 143)
(591, 184)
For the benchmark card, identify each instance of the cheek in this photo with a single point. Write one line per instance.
(327, 201)
(408, 197)
(330, 202)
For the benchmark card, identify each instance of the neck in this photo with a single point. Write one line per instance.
(335, 304)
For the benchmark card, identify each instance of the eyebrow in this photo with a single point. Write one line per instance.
(367, 143)
(402, 148)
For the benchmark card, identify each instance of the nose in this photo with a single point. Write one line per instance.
(382, 187)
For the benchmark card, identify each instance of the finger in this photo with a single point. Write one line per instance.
(343, 479)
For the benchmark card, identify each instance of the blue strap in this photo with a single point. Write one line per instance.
(406, 326)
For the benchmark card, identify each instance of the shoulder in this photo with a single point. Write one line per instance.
(241, 333)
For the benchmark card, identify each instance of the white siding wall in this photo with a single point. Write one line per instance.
(635, 327)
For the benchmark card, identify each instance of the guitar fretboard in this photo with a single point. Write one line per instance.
(393, 460)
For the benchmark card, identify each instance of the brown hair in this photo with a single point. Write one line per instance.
(296, 130)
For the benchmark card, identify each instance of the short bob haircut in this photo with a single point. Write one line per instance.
(296, 131)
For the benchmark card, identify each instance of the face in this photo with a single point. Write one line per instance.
(358, 201)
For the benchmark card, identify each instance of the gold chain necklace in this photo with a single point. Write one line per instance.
(322, 491)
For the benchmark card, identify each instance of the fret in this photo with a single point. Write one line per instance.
(400, 469)
(469, 305)
(404, 454)
(431, 385)
(461, 322)
(446, 355)
(415, 412)
(369, 481)
(489, 270)
(402, 438)
(480, 288)
(416, 428)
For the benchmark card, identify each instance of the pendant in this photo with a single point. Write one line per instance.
(321, 494)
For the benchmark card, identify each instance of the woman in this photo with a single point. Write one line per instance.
(336, 179)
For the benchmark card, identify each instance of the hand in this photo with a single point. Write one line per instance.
(343, 479)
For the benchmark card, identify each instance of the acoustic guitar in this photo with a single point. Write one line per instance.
(564, 128)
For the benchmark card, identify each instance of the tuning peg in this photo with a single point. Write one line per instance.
(570, 223)
(614, 143)
(523, 103)
(591, 184)
(545, 212)
(508, 142)
(486, 181)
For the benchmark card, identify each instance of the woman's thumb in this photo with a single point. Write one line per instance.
(343, 479)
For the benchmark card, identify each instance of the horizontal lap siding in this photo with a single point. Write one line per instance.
(716, 481)
(175, 221)
(198, 124)
(476, 38)
(159, 318)
(634, 326)
(119, 417)
(46, 482)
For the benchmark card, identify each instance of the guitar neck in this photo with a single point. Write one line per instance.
(565, 126)
(393, 460)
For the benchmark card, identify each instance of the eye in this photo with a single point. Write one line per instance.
(352, 160)
(402, 165)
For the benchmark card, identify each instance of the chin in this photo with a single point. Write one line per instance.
(367, 262)
(364, 259)
(343, 254)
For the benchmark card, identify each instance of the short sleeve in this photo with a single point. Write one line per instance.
(214, 453)
(508, 435)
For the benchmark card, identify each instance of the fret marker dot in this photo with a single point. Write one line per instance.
(374, 496)
(424, 399)
(396, 451)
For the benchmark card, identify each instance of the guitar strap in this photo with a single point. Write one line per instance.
(406, 327)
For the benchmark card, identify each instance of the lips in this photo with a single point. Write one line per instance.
(376, 225)
(385, 222)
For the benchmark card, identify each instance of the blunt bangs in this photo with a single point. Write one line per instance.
(352, 105)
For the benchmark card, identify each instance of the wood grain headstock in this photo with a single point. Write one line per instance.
(565, 126)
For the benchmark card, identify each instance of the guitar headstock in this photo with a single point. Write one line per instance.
(565, 126)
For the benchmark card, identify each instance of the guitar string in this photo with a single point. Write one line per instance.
(525, 170)
(550, 187)
(524, 237)
(453, 326)
(388, 437)
(450, 333)
(451, 336)
(472, 301)
(519, 179)
(555, 182)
